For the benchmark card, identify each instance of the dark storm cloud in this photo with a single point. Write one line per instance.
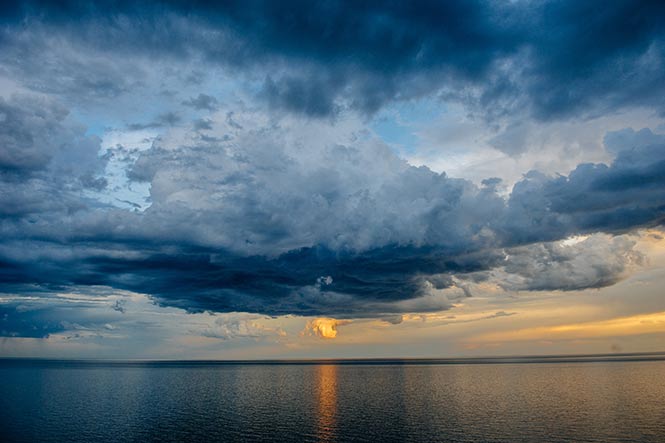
(556, 59)
(36, 314)
(248, 225)
(310, 95)
(18, 321)
(281, 216)
(269, 220)
(598, 53)
(594, 197)
(197, 280)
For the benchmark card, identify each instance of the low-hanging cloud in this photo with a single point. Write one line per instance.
(593, 262)
(292, 217)
(231, 326)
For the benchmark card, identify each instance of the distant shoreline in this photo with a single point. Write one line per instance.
(574, 358)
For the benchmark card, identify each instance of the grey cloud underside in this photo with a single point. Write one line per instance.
(594, 262)
(555, 59)
(268, 219)
(39, 315)
(35, 323)
(273, 214)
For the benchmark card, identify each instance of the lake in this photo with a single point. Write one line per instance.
(590, 399)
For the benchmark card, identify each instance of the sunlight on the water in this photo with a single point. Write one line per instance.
(326, 391)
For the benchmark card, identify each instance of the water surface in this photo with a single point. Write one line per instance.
(552, 399)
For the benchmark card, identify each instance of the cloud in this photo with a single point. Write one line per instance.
(37, 323)
(594, 262)
(550, 60)
(256, 221)
(53, 63)
(231, 326)
(46, 160)
(628, 139)
(302, 94)
(36, 137)
(453, 320)
(162, 120)
(323, 327)
(37, 314)
(202, 102)
(393, 319)
(194, 169)
(291, 216)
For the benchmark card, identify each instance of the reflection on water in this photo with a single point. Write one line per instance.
(326, 392)
(544, 402)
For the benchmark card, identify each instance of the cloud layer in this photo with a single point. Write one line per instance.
(263, 217)
(267, 192)
(554, 59)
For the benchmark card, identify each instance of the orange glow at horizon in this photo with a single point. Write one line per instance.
(620, 326)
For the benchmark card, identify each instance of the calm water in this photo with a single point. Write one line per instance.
(378, 401)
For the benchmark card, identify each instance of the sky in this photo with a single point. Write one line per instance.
(294, 179)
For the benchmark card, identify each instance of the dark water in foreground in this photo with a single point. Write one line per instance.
(451, 400)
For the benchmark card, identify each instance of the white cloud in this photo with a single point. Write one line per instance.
(323, 327)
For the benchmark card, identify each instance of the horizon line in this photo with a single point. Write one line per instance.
(506, 359)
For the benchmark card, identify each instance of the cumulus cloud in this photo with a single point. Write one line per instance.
(593, 197)
(258, 210)
(629, 139)
(284, 216)
(271, 220)
(593, 262)
(323, 327)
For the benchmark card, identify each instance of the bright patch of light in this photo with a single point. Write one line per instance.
(570, 241)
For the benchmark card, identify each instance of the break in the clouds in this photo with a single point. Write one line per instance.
(245, 173)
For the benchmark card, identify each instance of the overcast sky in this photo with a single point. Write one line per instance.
(331, 179)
